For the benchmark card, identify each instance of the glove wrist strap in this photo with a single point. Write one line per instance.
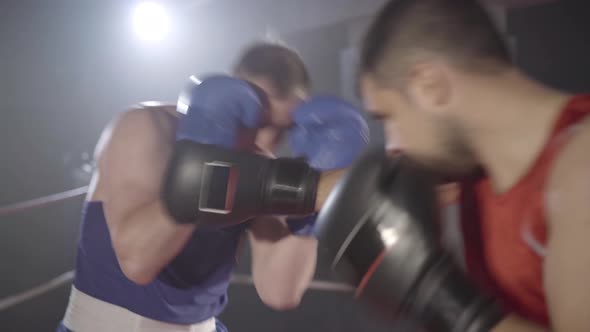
(291, 187)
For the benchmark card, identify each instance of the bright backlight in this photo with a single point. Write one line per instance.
(150, 21)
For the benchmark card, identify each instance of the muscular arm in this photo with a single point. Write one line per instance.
(283, 264)
(131, 163)
(567, 264)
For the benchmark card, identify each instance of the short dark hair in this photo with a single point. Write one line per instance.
(460, 30)
(281, 65)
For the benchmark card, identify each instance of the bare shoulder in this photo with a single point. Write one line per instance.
(133, 151)
(161, 118)
(153, 125)
(569, 183)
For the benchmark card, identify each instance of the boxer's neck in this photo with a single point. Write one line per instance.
(509, 124)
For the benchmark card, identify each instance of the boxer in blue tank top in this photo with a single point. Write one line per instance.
(134, 261)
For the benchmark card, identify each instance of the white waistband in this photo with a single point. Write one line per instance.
(88, 314)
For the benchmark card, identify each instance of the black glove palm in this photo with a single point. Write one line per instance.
(379, 226)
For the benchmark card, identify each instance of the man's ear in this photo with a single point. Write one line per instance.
(429, 86)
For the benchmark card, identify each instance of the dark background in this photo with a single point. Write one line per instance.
(68, 66)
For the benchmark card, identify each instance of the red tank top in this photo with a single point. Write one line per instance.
(505, 250)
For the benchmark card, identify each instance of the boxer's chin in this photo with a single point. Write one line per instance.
(450, 169)
(444, 166)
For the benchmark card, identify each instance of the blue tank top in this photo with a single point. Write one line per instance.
(192, 288)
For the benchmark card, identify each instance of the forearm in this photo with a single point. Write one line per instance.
(514, 323)
(283, 265)
(328, 181)
(146, 240)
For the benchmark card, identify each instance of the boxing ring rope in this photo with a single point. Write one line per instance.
(67, 277)
(42, 201)
(16, 299)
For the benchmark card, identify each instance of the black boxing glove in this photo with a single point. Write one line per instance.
(379, 226)
(208, 184)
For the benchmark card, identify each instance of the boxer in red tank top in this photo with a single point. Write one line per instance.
(439, 76)
(509, 244)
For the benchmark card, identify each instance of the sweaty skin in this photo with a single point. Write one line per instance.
(132, 155)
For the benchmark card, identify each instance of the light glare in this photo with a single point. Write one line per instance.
(389, 236)
(150, 21)
(184, 99)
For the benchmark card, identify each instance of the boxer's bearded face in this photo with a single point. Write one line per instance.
(430, 134)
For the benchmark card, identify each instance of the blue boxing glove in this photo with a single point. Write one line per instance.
(218, 108)
(329, 133)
